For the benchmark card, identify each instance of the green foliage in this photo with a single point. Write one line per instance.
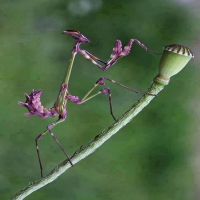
(149, 158)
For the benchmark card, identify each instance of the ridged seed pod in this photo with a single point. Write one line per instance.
(173, 60)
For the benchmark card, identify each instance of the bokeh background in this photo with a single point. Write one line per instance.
(156, 156)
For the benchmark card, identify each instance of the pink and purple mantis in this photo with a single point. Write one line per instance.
(35, 107)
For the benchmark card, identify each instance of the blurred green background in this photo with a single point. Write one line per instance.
(154, 157)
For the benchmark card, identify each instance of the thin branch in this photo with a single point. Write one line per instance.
(85, 151)
(173, 60)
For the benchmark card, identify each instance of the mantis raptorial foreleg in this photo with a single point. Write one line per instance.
(116, 54)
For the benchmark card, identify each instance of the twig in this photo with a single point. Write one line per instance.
(85, 151)
(174, 59)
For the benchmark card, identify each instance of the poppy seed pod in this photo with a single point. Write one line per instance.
(173, 60)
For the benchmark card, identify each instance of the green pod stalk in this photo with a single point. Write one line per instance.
(173, 60)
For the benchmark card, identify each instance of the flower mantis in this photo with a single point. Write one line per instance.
(35, 107)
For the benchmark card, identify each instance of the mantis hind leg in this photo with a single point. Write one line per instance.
(38, 152)
(63, 150)
(49, 127)
(105, 91)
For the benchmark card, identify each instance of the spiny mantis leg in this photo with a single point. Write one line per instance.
(116, 54)
(38, 152)
(124, 86)
(49, 127)
(76, 100)
(61, 147)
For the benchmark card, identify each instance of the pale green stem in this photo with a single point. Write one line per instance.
(85, 151)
